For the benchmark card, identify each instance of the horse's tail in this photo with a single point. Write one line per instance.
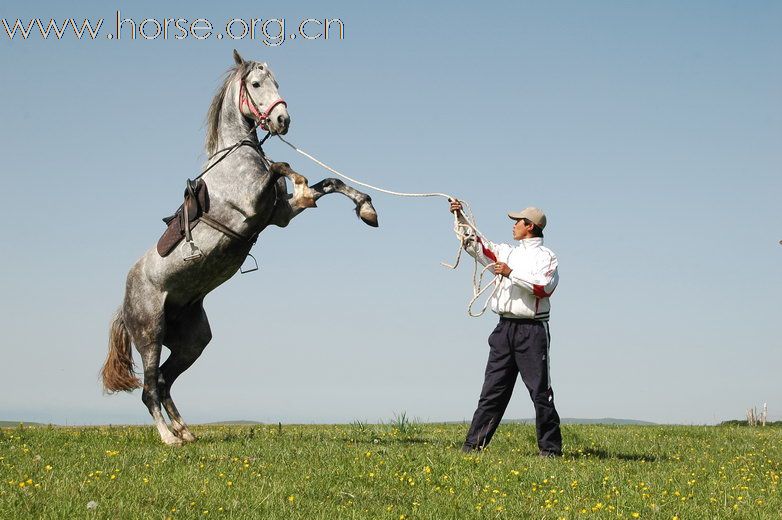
(117, 371)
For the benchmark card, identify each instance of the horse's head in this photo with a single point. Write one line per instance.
(259, 98)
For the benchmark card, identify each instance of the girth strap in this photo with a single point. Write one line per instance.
(226, 230)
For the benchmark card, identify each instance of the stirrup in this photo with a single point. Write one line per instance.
(245, 271)
(193, 254)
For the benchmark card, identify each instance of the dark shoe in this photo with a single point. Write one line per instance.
(469, 449)
(549, 454)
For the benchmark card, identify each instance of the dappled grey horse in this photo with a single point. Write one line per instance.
(163, 303)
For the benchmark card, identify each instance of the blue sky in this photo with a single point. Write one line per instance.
(648, 132)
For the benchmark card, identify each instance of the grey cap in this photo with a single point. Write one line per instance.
(534, 215)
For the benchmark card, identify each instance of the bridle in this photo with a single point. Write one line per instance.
(245, 98)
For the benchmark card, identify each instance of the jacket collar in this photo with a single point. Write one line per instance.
(531, 242)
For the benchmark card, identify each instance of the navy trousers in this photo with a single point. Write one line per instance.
(517, 346)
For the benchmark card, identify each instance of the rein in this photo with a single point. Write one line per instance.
(465, 231)
(231, 149)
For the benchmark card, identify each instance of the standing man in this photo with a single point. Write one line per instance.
(520, 342)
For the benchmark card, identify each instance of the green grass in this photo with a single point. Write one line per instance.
(401, 470)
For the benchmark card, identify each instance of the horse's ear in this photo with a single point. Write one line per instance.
(238, 59)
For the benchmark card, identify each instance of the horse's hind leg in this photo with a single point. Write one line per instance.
(150, 356)
(187, 335)
(143, 316)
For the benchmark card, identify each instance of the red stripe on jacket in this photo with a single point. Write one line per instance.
(486, 251)
(540, 291)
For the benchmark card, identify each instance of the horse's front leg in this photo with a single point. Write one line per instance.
(364, 208)
(305, 196)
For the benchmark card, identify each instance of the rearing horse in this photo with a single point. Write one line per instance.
(163, 303)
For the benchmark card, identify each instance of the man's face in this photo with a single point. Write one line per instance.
(522, 230)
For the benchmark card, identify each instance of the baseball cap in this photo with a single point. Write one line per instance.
(534, 215)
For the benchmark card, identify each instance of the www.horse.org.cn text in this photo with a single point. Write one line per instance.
(271, 32)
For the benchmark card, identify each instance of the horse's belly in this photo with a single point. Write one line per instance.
(186, 281)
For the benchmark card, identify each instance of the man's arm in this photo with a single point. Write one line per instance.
(542, 280)
(483, 250)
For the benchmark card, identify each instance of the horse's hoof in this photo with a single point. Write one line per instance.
(187, 436)
(368, 214)
(173, 441)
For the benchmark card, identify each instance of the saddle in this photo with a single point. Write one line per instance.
(186, 217)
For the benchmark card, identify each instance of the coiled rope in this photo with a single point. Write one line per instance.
(465, 231)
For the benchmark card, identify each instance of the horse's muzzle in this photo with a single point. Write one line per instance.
(279, 121)
(283, 123)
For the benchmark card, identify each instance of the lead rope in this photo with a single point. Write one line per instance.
(464, 230)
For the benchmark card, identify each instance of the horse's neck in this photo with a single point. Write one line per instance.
(240, 184)
(233, 126)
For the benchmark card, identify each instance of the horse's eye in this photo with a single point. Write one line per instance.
(256, 84)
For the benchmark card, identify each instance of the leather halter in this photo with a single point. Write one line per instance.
(245, 98)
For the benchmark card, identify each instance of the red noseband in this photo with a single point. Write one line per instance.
(245, 98)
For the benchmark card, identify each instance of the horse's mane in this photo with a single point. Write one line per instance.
(213, 115)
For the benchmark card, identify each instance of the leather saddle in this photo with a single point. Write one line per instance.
(185, 218)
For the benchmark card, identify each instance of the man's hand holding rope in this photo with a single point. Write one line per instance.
(500, 268)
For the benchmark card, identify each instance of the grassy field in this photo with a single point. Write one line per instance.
(398, 471)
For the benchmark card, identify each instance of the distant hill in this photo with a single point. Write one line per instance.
(13, 424)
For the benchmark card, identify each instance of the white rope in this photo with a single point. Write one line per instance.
(462, 230)
(332, 170)
(477, 291)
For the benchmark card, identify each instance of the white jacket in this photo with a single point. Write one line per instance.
(525, 293)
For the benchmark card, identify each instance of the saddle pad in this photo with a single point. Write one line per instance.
(175, 230)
